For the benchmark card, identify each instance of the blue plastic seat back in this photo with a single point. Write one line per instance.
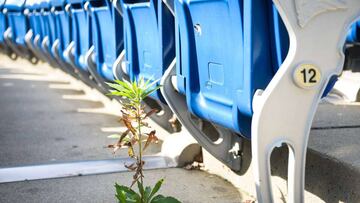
(280, 41)
(50, 20)
(47, 22)
(149, 40)
(354, 33)
(40, 31)
(30, 6)
(62, 24)
(17, 20)
(107, 30)
(3, 22)
(34, 18)
(43, 4)
(226, 50)
(80, 32)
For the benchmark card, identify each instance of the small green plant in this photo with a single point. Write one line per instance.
(134, 118)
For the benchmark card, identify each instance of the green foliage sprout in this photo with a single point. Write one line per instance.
(134, 118)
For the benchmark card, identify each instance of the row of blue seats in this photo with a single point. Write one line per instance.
(220, 52)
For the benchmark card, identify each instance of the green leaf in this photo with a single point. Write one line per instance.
(162, 199)
(147, 93)
(122, 94)
(156, 188)
(122, 188)
(152, 84)
(147, 82)
(157, 198)
(129, 85)
(125, 84)
(121, 197)
(141, 188)
(141, 82)
(147, 194)
(130, 195)
(122, 89)
(134, 87)
(116, 86)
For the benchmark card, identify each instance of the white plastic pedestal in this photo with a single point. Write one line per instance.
(284, 111)
(348, 86)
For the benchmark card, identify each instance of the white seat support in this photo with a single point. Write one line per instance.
(284, 111)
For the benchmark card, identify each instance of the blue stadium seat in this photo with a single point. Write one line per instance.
(225, 51)
(149, 39)
(3, 27)
(354, 33)
(149, 42)
(39, 28)
(108, 42)
(17, 29)
(32, 7)
(63, 34)
(17, 21)
(49, 28)
(80, 28)
(224, 55)
(45, 37)
(36, 31)
(3, 22)
(352, 48)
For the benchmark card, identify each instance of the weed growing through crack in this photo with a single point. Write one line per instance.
(134, 118)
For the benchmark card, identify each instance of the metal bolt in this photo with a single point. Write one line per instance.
(197, 29)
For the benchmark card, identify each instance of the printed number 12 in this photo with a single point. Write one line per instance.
(309, 73)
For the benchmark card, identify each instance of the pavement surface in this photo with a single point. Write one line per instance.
(336, 133)
(187, 186)
(38, 126)
(44, 120)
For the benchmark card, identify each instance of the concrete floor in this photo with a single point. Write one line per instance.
(187, 186)
(39, 126)
(336, 133)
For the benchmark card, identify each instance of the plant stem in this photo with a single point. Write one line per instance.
(140, 140)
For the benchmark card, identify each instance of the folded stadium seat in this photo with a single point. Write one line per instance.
(108, 42)
(47, 21)
(62, 34)
(62, 23)
(34, 29)
(354, 33)
(43, 33)
(149, 41)
(63, 31)
(17, 29)
(75, 53)
(39, 28)
(352, 48)
(3, 22)
(3, 26)
(225, 51)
